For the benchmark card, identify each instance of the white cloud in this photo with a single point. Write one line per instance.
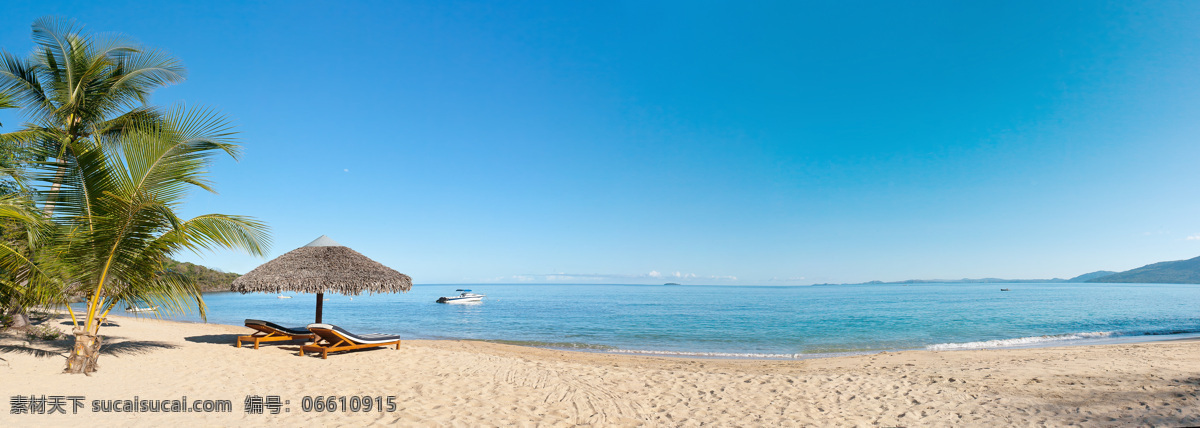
(1193, 238)
(787, 280)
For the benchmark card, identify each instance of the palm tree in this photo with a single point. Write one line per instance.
(118, 222)
(20, 226)
(73, 87)
(27, 279)
(111, 172)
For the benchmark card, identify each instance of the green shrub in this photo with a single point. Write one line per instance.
(43, 332)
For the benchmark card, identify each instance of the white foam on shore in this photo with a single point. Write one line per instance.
(704, 354)
(1021, 341)
(739, 355)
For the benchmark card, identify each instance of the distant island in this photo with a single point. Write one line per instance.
(672, 283)
(956, 281)
(1174, 272)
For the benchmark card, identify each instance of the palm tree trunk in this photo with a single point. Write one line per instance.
(48, 210)
(86, 351)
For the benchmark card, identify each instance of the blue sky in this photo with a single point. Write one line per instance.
(723, 142)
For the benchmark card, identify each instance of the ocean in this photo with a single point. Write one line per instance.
(783, 322)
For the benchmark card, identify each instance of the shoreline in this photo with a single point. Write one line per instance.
(453, 382)
(1113, 340)
(593, 348)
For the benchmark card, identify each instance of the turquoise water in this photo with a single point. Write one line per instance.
(749, 321)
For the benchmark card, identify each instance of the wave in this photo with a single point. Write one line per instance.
(1050, 340)
(740, 355)
(1020, 341)
(588, 347)
(568, 346)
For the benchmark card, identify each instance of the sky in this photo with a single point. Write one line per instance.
(767, 143)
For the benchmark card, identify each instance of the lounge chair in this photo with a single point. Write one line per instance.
(331, 338)
(271, 332)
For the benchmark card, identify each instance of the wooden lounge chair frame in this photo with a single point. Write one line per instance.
(270, 332)
(331, 338)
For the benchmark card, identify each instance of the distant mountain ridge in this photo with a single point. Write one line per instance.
(1176, 272)
(1090, 276)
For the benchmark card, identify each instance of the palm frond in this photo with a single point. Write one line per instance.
(211, 232)
(20, 79)
(7, 101)
(21, 210)
(145, 71)
(172, 292)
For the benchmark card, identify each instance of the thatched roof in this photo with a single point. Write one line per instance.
(323, 266)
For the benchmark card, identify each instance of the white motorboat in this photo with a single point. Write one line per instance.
(137, 309)
(466, 297)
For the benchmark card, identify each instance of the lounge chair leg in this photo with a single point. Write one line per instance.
(256, 343)
(397, 345)
(324, 354)
(239, 342)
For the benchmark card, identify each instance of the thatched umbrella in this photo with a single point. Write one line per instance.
(322, 265)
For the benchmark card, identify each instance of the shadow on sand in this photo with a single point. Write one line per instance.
(60, 347)
(106, 324)
(1172, 404)
(46, 350)
(134, 347)
(219, 339)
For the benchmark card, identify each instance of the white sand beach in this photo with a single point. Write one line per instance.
(468, 383)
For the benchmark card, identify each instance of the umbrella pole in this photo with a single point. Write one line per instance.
(320, 302)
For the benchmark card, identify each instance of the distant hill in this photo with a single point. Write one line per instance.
(1176, 272)
(208, 279)
(1090, 276)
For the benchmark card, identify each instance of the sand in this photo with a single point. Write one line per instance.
(469, 383)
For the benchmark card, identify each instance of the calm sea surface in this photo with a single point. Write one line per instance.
(748, 321)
